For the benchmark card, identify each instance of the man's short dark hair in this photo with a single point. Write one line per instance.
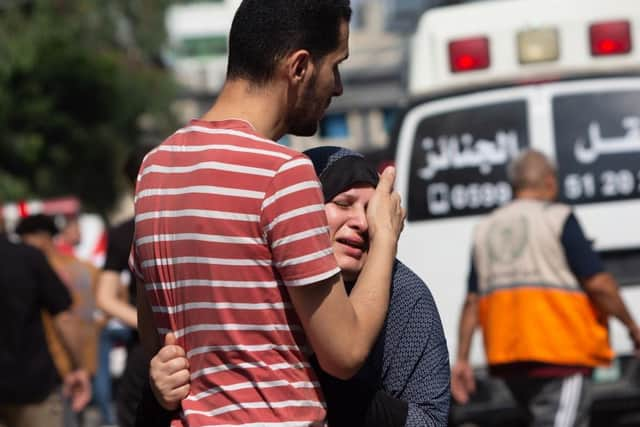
(38, 223)
(265, 31)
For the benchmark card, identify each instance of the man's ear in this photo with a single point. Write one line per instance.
(299, 65)
(551, 186)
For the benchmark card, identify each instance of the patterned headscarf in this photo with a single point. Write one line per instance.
(338, 169)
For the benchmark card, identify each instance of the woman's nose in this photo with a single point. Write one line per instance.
(359, 220)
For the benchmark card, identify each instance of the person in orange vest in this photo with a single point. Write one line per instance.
(541, 296)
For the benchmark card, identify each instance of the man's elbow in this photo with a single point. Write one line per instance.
(471, 301)
(65, 320)
(101, 302)
(106, 289)
(67, 327)
(600, 284)
(343, 367)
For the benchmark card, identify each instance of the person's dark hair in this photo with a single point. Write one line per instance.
(265, 31)
(36, 224)
(133, 162)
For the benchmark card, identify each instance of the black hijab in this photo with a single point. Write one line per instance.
(339, 169)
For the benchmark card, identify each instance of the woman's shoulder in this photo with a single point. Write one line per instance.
(408, 285)
(407, 280)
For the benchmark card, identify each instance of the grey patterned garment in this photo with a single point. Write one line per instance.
(410, 360)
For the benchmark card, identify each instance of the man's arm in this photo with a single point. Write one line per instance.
(601, 287)
(603, 290)
(76, 383)
(109, 286)
(462, 380)
(66, 326)
(341, 328)
(107, 299)
(56, 300)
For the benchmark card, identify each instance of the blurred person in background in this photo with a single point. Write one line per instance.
(542, 298)
(80, 278)
(30, 393)
(69, 235)
(115, 278)
(405, 380)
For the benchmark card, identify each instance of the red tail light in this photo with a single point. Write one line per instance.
(469, 54)
(610, 38)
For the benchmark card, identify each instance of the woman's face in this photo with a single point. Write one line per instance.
(348, 227)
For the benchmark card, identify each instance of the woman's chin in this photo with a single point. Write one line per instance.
(349, 273)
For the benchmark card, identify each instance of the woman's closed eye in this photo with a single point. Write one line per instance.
(343, 201)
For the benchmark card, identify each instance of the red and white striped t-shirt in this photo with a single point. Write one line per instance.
(225, 221)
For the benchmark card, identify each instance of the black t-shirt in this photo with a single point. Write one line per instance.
(28, 285)
(118, 247)
(136, 372)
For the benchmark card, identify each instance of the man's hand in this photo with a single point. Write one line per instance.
(169, 374)
(77, 387)
(462, 381)
(384, 212)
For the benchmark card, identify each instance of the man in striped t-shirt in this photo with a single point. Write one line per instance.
(231, 247)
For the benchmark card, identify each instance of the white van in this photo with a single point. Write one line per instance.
(488, 79)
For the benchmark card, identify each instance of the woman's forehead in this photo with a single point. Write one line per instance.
(357, 189)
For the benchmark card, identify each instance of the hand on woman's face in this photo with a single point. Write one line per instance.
(346, 215)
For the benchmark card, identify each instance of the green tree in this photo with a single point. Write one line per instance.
(78, 79)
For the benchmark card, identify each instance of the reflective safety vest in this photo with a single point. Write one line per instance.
(532, 307)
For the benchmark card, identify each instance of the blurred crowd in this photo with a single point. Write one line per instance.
(81, 303)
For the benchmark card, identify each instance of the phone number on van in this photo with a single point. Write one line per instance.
(608, 183)
(443, 198)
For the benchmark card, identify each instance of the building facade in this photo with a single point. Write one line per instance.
(374, 76)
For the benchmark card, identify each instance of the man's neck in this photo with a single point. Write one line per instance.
(262, 107)
(532, 194)
(48, 249)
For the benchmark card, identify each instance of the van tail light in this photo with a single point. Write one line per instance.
(469, 54)
(538, 45)
(610, 38)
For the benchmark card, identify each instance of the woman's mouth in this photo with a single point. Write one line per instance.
(354, 247)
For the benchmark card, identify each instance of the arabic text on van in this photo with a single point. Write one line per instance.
(453, 152)
(588, 152)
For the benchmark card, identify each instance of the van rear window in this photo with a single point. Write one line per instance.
(459, 158)
(597, 149)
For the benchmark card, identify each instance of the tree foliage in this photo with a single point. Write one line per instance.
(80, 81)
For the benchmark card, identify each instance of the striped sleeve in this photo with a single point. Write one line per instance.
(295, 226)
